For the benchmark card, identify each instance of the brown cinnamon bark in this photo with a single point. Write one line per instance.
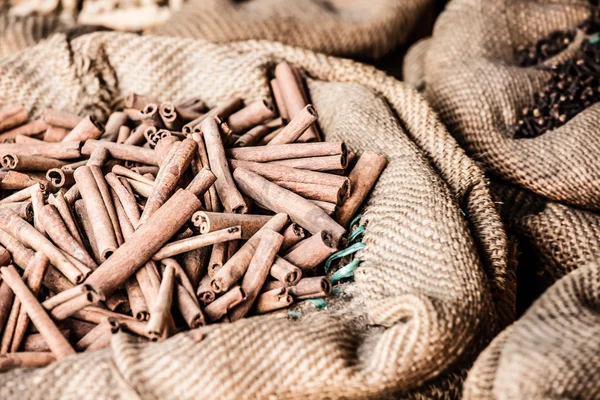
(293, 97)
(289, 174)
(58, 201)
(37, 203)
(25, 360)
(86, 224)
(107, 200)
(202, 182)
(285, 271)
(58, 232)
(100, 220)
(97, 315)
(31, 129)
(22, 256)
(170, 116)
(24, 194)
(137, 301)
(311, 252)
(195, 265)
(250, 116)
(329, 208)
(151, 115)
(115, 121)
(13, 180)
(229, 195)
(279, 100)
(211, 200)
(169, 175)
(144, 243)
(218, 257)
(56, 341)
(55, 134)
(35, 342)
(29, 236)
(107, 326)
(331, 194)
(128, 173)
(36, 271)
(5, 257)
(71, 306)
(61, 151)
(220, 307)
(195, 242)
(204, 292)
(297, 126)
(224, 110)
(320, 163)
(362, 179)
(310, 288)
(253, 136)
(292, 235)
(121, 151)
(272, 300)
(87, 128)
(161, 309)
(6, 302)
(188, 307)
(278, 199)
(123, 135)
(24, 209)
(59, 177)
(257, 272)
(236, 267)
(98, 157)
(12, 116)
(210, 221)
(61, 119)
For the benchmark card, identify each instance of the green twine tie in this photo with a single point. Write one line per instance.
(356, 233)
(343, 253)
(346, 271)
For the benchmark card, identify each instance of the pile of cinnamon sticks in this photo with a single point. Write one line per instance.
(169, 217)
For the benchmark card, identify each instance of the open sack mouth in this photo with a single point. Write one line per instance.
(234, 206)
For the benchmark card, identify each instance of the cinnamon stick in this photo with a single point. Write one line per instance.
(137, 302)
(278, 199)
(61, 119)
(87, 128)
(279, 100)
(116, 120)
(218, 257)
(24, 209)
(12, 116)
(250, 116)
(220, 307)
(25, 360)
(235, 268)
(120, 151)
(311, 252)
(37, 203)
(61, 151)
(31, 129)
(57, 343)
(161, 309)
(362, 179)
(253, 136)
(13, 180)
(55, 134)
(286, 272)
(195, 242)
(292, 235)
(29, 236)
(330, 194)
(210, 221)
(272, 300)
(188, 307)
(296, 127)
(310, 288)
(224, 110)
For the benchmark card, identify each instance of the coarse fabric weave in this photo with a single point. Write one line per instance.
(361, 29)
(434, 285)
(17, 33)
(552, 352)
(474, 81)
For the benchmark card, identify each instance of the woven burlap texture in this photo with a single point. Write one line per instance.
(363, 29)
(413, 65)
(17, 33)
(473, 80)
(433, 285)
(549, 353)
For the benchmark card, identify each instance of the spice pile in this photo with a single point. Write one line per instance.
(170, 217)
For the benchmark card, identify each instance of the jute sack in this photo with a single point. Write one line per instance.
(560, 238)
(475, 83)
(362, 29)
(16, 33)
(433, 286)
(549, 353)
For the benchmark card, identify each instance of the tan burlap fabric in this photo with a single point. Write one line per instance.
(433, 286)
(364, 29)
(413, 66)
(549, 353)
(474, 81)
(16, 33)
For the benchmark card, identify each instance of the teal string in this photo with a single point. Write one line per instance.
(319, 303)
(356, 233)
(355, 221)
(343, 253)
(346, 271)
(594, 38)
(294, 314)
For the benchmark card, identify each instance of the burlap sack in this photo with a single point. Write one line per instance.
(361, 29)
(549, 353)
(433, 286)
(17, 33)
(473, 80)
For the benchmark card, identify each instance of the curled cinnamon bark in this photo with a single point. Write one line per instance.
(211, 221)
